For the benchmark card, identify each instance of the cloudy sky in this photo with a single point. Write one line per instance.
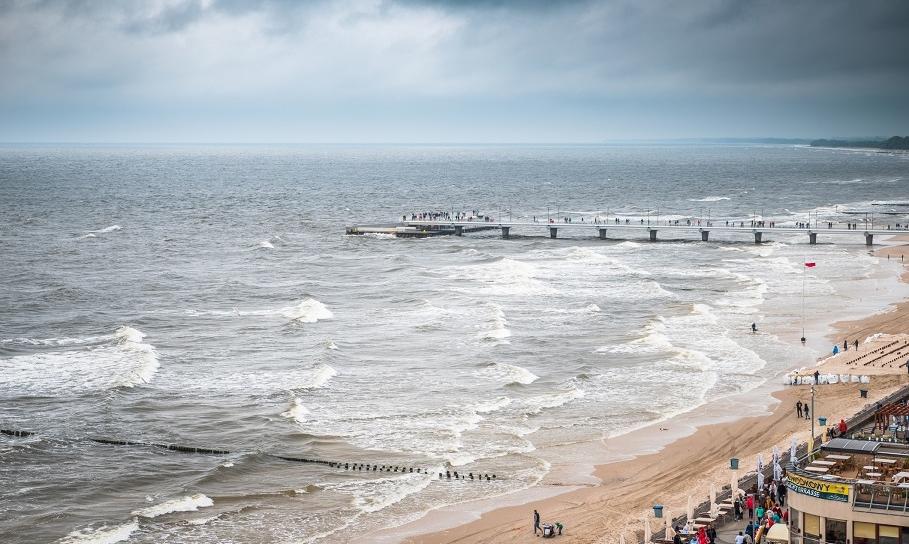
(457, 71)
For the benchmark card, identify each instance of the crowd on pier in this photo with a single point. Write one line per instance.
(476, 215)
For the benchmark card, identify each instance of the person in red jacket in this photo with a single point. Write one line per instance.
(749, 504)
(842, 427)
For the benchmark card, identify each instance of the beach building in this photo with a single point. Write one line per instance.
(851, 491)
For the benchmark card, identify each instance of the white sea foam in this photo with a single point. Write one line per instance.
(105, 230)
(265, 244)
(507, 373)
(709, 199)
(95, 363)
(493, 405)
(309, 310)
(105, 534)
(331, 345)
(535, 405)
(189, 503)
(297, 411)
(498, 330)
(320, 376)
(627, 244)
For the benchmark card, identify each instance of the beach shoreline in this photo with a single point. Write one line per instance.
(665, 463)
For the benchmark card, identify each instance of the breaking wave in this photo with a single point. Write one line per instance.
(105, 534)
(506, 373)
(709, 199)
(105, 362)
(189, 503)
(309, 310)
(296, 412)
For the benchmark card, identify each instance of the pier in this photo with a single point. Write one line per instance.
(603, 230)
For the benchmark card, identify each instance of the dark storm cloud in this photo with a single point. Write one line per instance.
(595, 61)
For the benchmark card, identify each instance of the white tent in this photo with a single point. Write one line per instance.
(647, 537)
(690, 512)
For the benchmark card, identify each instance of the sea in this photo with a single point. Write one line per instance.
(208, 297)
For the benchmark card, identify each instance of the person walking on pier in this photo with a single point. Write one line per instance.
(798, 409)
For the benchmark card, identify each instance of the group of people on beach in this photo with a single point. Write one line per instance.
(546, 530)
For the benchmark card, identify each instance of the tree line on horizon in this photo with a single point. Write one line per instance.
(896, 142)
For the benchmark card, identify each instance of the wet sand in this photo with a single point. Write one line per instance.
(684, 456)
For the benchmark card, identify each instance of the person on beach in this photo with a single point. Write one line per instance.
(749, 504)
(740, 538)
(536, 522)
(798, 409)
(855, 344)
(845, 345)
(807, 412)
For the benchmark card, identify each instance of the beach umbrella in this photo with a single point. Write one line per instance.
(647, 537)
(734, 484)
(621, 539)
(713, 508)
(793, 446)
(669, 532)
(690, 512)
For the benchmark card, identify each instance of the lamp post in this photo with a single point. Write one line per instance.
(813, 415)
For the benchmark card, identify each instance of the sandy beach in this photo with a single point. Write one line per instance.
(685, 456)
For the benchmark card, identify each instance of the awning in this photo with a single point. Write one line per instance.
(778, 533)
(852, 446)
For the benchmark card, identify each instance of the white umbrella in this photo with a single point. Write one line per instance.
(690, 511)
(792, 450)
(669, 531)
(647, 538)
(713, 508)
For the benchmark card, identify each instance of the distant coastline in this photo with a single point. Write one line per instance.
(893, 143)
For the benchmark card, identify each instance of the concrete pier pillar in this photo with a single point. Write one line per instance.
(553, 232)
(653, 235)
(459, 230)
(812, 238)
(505, 231)
(869, 239)
(757, 236)
(602, 234)
(704, 235)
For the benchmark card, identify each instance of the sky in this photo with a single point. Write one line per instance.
(434, 71)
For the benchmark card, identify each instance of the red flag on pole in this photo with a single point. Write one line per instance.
(810, 265)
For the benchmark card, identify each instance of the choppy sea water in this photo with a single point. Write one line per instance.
(208, 297)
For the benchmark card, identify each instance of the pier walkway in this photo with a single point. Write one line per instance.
(651, 231)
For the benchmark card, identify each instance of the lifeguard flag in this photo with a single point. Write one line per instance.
(810, 265)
